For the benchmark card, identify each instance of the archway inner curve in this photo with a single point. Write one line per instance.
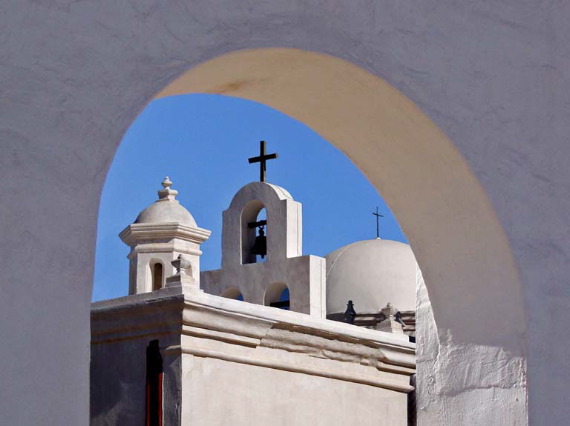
(465, 257)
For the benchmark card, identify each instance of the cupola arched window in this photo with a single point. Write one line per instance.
(157, 276)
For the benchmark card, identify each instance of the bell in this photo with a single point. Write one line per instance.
(260, 244)
(350, 313)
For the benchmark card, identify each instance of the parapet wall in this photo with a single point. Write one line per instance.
(231, 361)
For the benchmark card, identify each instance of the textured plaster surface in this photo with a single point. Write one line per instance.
(118, 381)
(492, 75)
(491, 396)
(264, 396)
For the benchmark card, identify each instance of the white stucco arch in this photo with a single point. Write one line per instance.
(273, 293)
(280, 209)
(470, 273)
(490, 75)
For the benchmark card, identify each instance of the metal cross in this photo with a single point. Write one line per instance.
(262, 159)
(378, 216)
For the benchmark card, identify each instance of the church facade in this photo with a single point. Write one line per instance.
(267, 338)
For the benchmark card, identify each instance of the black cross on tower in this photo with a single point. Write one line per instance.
(262, 159)
(378, 216)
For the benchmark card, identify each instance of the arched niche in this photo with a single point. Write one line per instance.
(232, 293)
(274, 294)
(156, 275)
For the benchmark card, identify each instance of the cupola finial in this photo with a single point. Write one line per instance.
(167, 193)
(166, 183)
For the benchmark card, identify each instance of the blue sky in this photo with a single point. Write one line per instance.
(203, 142)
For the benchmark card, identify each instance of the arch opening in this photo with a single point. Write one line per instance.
(232, 293)
(409, 160)
(277, 295)
(157, 275)
(460, 246)
(253, 233)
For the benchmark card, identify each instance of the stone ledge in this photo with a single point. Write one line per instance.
(207, 317)
(141, 231)
(292, 367)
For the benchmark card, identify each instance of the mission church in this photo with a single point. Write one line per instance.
(272, 337)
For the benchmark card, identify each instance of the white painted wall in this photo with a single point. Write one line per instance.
(118, 382)
(497, 401)
(493, 76)
(264, 396)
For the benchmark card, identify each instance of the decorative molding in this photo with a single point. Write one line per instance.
(279, 364)
(225, 337)
(171, 246)
(138, 232)
(257, 335)
(333, 347)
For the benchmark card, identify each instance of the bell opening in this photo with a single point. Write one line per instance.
(254, 240)
(259, 248)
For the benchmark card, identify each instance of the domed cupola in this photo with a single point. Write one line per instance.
(371, 274)
(167, 209)
(162, 232)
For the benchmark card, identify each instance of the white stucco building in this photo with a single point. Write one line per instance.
(457, 113)
(178, 350)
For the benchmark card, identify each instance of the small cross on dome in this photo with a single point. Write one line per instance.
(378, 216)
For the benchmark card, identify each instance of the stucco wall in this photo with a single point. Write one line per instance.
(121, 332)
(228, 362)
(492, 75)
(497, 402)
(118, 382)
(264, 396)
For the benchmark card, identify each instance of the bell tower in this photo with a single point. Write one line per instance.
(280, 233)
(262, 250)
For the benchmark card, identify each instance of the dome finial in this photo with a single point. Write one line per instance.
(166, 183)
(167, 193)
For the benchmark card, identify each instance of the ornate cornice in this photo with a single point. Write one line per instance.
(234, 331)
(139, 232)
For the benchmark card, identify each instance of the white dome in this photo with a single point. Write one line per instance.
(166, 211)
(371, 273)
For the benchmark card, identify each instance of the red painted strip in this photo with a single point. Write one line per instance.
(159, 397)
